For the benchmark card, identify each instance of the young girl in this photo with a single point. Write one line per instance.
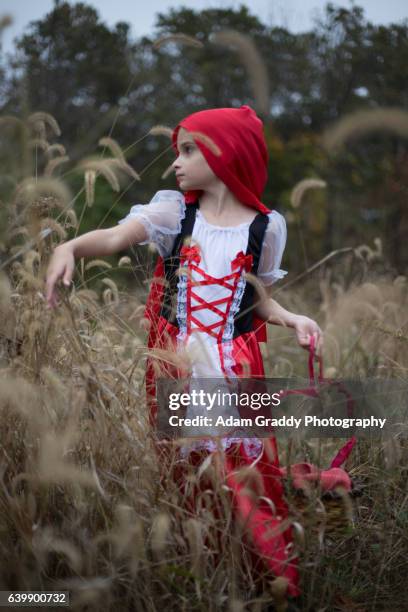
(208, 238)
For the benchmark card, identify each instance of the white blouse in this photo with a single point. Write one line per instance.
(219, 245)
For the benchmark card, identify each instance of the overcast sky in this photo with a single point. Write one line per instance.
(296, 15)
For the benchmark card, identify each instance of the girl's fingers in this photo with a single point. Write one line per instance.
(319, 341)
(67, 278)
(51, 296)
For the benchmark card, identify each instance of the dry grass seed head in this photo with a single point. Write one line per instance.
(46, 119)
(236, 605)
(137, 313)
(22, 398)
(278, 588)
(56, 386)
(207, 141)
(22, 230)
(392, 453)
(168, 171)
(52, 466)
(124, 261)
(28, 282)
(193, 531)
(161, 130)
(55, 163)
(56, 148)
(72, 218)
(31, 190)
(45, 541)
(6, 305)
(48, 222)
(44, 204)
(89, 298)
(161, 528)
(110, 295)
(90, 178)
(300, 189)
(359, 123)
(160, 280)
(31, 261)
(253, 62)
(98, 262)
(365, 252)
(113, 147)
(178, 37)
(122, 166)
(128, 537)
(258, 285)
(38, 143)
(163, 358)
(103, 167)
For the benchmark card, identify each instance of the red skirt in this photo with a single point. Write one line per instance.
(265, 524)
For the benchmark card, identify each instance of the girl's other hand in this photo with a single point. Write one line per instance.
(62, 264)
(305, 328)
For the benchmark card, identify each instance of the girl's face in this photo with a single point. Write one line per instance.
(191, 168)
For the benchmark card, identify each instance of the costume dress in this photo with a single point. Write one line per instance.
(212, 316)
(208, 308)
(208, 319)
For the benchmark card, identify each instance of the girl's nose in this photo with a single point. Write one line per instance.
(175, 164)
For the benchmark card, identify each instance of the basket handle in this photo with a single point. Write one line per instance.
(345, 450)
(313, 355)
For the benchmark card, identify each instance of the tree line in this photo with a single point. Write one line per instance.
(97, 81)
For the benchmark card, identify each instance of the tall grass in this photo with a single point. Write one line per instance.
(86, 504)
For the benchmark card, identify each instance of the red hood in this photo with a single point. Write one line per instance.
(242, 159)
(239, 160)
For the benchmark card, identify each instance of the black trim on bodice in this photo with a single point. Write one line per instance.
(243, 319)
(172, 264)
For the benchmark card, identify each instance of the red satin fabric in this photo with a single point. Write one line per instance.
(265, 527)
(271, 545)
(269, 541)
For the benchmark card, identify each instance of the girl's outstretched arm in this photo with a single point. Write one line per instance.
(97, 243)
(272, 312)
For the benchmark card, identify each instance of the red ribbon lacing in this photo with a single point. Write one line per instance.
(192, 255)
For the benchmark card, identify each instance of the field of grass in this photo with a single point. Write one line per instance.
(84, 504)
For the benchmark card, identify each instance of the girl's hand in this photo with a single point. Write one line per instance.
(62, 264)
(305, 328)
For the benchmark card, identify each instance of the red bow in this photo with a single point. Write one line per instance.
(192, 253)
(242, 261)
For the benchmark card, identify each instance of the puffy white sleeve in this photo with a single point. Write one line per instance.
(161, 218)
(272, 249)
